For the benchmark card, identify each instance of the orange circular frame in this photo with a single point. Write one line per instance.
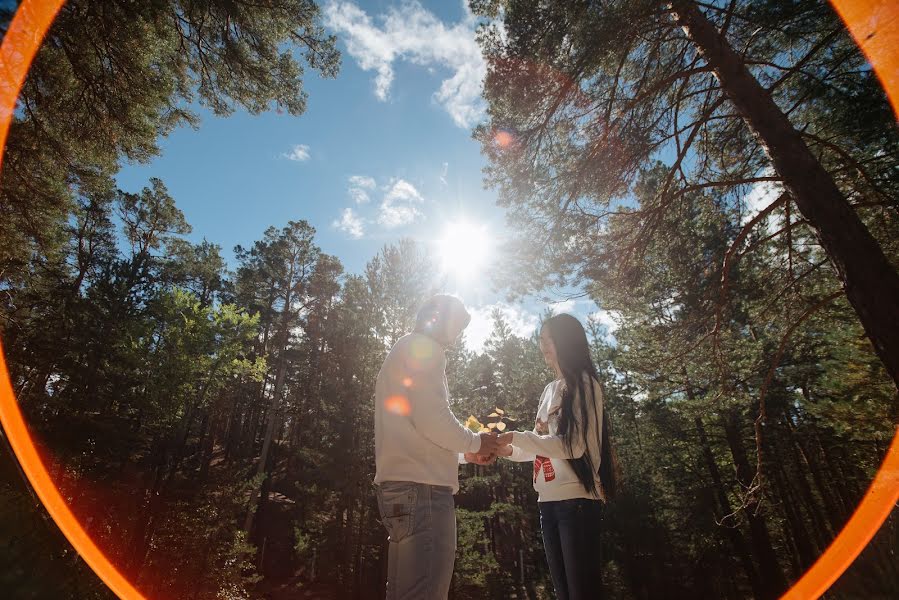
(873, 23)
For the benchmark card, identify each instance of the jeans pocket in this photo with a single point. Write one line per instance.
(396, 503)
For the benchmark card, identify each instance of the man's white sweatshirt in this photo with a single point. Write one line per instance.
(417, 437)
(554, 479)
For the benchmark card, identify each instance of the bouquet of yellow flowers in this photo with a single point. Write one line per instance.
(476, 426)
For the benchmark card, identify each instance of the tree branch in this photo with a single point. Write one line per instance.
(760, 420)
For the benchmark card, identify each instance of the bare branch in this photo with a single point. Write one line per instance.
(850, 160)
(808, 56)
(729, 255)
(760, 420)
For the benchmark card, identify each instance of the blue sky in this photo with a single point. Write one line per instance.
(383, 151)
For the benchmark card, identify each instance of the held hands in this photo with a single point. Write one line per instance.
(504, 439)
(480, 459)
(492, 445)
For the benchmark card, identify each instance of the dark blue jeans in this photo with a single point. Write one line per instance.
(571, 531)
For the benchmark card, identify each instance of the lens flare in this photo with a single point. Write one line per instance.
(21, 42)
(503, 138)
(398, 405)
(421, 357)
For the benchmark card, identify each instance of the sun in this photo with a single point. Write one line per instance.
(464, 249)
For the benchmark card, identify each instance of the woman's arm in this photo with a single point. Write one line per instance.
(516, 454)
(513, 452)
(554, 446)
(550, 446)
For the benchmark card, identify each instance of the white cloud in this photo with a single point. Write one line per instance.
(362, 181)
(609, 319)
(403, 191)
(350, 223)
(398, 207)
(444, 173)
(522, 323)
(564, 306)
(762, 194)
(299, 153)
(359, 195)
(359, 184)
(411, 33)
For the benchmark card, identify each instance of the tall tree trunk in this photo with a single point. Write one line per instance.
(269, 434)
(232, 431)
(359, 544)
(734, 536)
(143, 530)
(773, 582)
(208, 445)
(803, 458)
(832, 460)
(180, 438)
(805, 552)
(869, 280)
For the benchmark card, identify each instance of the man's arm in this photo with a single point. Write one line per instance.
(431, 415)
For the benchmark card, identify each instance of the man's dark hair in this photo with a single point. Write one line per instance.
(437, 311)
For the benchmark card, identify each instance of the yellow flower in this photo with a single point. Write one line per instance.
(473, 424)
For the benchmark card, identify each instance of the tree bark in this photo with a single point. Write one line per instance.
(806, 554)
(733, 534)
(773, 582)
(869, 280)
(833, 522)
(269, 434)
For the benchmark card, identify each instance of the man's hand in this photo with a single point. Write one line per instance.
(480, 459)
(489, 444)
(504, 451)
(504, 439)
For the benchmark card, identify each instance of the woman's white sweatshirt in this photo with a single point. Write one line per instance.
(554, 479)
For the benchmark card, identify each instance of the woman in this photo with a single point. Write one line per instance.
(573, 463)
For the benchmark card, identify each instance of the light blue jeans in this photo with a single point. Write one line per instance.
(421, 523)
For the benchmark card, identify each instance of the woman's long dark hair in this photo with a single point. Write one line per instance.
(573, 354)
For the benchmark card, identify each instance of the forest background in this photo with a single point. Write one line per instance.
(211, 423)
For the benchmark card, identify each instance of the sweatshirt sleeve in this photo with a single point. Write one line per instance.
(550, 446)
(430, 411)
(554, 446)
(519, 455)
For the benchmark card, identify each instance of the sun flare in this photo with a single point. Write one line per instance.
(464, 249)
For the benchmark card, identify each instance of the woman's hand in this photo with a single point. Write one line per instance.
(503, 440)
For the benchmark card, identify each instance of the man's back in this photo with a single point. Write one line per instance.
(416, 436)
(418, 441)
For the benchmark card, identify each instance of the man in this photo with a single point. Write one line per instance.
(419, 444)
